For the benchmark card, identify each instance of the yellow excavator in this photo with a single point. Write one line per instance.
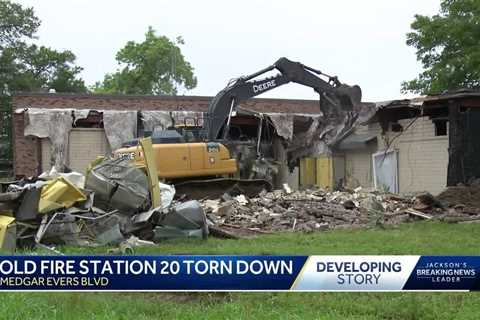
(183, 162)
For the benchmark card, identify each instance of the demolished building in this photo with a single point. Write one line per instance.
(69, 130)
(422, 144)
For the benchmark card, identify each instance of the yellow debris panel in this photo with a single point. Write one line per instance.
(307, 172)
(7, 233)
(325, 172)
(59, 193)
(151, 169)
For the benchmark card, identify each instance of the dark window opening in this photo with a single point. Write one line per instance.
(440, 128)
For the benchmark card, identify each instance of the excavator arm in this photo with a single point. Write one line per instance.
(337, 94)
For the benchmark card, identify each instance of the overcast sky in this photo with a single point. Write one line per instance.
(362, 42)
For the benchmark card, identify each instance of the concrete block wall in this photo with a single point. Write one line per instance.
(358, 163)
(422, 157)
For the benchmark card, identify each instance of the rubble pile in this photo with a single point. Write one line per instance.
(307, 210)
(117, 203)
(318, 209)
(112, 205)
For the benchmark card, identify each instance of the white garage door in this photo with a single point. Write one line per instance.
(85, 145)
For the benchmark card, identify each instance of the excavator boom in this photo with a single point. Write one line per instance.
(335, 93)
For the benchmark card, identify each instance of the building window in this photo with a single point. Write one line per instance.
(440, 128)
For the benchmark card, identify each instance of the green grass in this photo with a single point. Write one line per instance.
(418, 238)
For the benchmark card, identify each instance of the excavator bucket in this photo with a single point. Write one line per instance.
(349, 97)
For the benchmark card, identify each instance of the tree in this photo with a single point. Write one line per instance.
(25, 66)
(448, 46)
(154, 66)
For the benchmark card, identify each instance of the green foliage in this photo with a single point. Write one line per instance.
(448, 46)
(16, 22)
(25, 66)
(154, 66)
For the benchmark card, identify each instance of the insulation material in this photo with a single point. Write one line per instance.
(156, 119)
(283, 124)
(120, 126)
(54, 124)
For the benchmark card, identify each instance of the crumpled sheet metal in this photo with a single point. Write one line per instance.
(119, 184)
(28, 209)
(185, 220)
(120, 126)
(59, 193)
(60, 229)
(156, 119)
(167, 192)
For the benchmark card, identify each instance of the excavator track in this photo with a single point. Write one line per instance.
(215, 188)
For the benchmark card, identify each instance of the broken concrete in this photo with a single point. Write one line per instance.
(319, 210)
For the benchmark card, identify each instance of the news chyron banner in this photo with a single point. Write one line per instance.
(239, 273)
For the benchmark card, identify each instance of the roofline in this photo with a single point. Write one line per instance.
(139, 96)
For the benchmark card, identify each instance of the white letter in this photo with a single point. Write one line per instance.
(241, 263)
(83, 267)
(188, 263)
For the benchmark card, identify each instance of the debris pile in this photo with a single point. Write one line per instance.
(317, 210)
(118, 203)
(112, 205)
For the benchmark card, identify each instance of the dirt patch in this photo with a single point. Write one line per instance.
(465, 195)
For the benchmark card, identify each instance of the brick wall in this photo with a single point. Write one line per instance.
(26, 150)
(170, 103)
